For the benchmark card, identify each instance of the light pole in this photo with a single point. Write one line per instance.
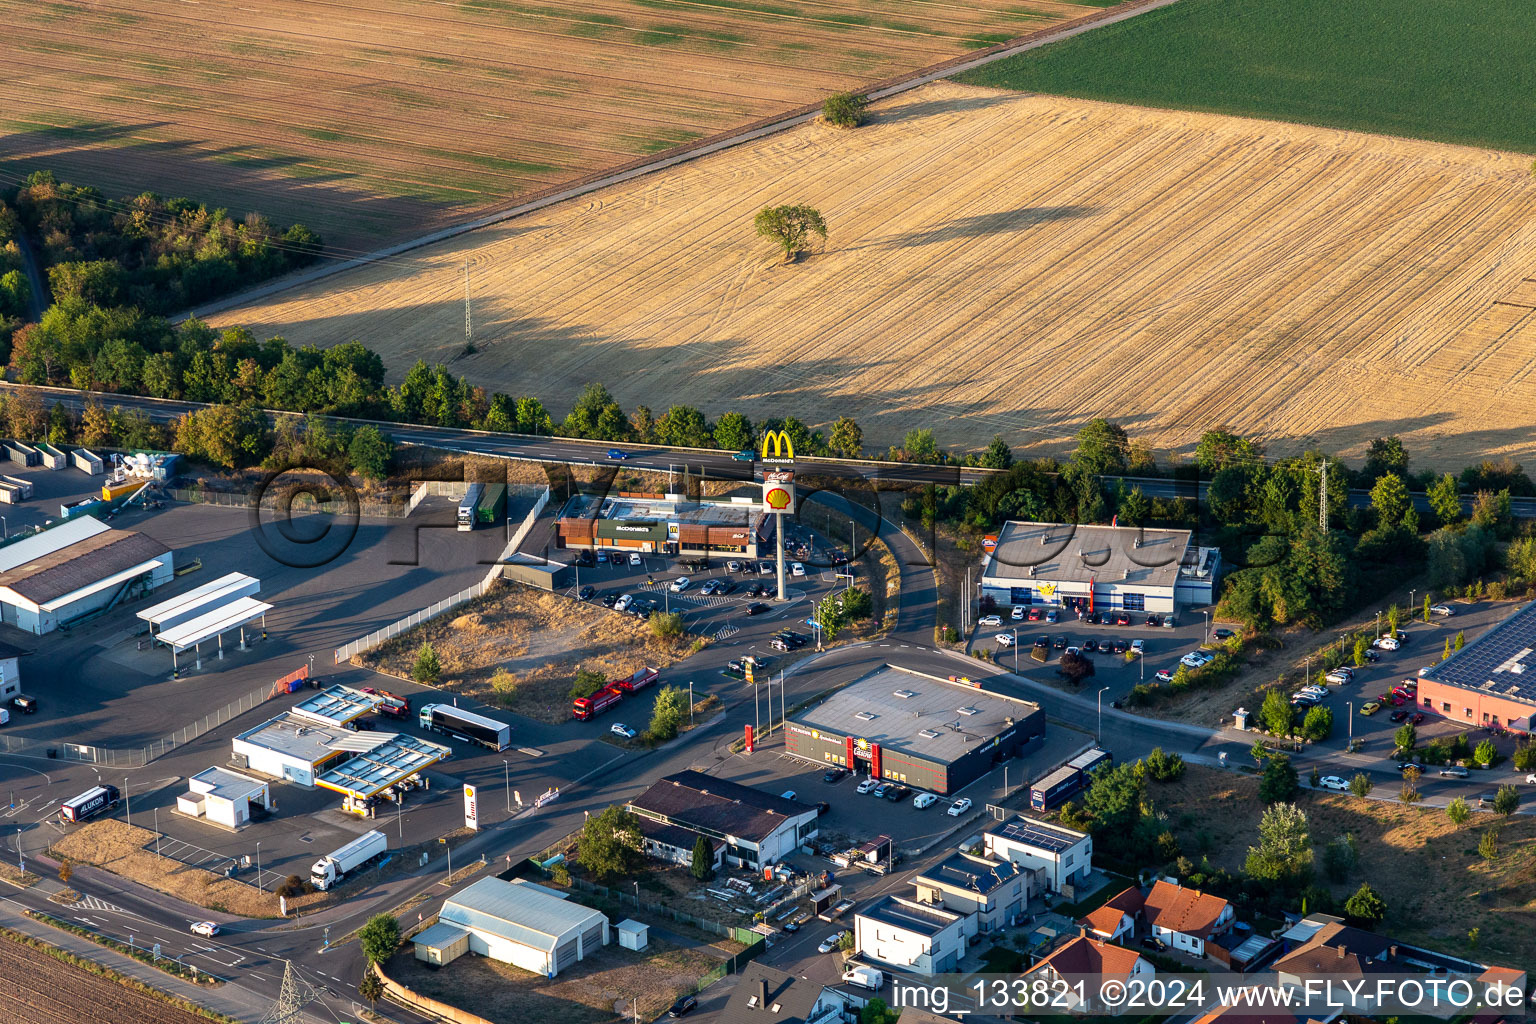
(1410, 604)
(127, 803)
(5, 530)
(1015, 650)
(258, 864)
(637, 895)
(1351, 707)
(1378, 625)
(1098, 736)
(506, 781)
(690, 703)
(444, 841)
(1207, 614)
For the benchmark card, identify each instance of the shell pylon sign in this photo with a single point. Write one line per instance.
(778, 484)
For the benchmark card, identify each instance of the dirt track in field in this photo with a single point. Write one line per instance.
(1013, 264)
(372, 121)
(37, 989)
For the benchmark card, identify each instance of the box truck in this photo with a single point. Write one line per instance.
(465, 725)
(338, 864)
(467, 506)
(93, 801)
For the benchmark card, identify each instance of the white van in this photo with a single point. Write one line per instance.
(924, 800)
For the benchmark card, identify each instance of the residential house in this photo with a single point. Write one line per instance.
(990, 893)
(766, 995)
(1061, 857)
(1117, 918)
(1186, 919)
(1089, 959)
(909, 936)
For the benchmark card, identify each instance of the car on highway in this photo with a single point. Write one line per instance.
(1163, 676)
(796, 569)
(1453, 772)
(1442, 609)
(990, 620)
(680, 584)
(207, 929)
(1017, 614)
(959, 807)
(757, 608)
(586, 592)
(745, 455)
(1333, 782)
(615, 453)
(622, 731)
(829, 943)
(1370, 707)
(868, 785)
(928, 800)
(683, 1006)
(1004, 639)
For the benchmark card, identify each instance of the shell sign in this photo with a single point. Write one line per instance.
(779, 492)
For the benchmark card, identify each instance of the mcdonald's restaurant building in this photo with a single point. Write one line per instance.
(665, 524)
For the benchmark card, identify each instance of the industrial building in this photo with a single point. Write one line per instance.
(916, 729)
(756, 829)
(1490, 681)
(78, 568)
(299, 749)
(1058, 857)
(223, 797)
(665, 523)
(527, 926)
(1099, 568)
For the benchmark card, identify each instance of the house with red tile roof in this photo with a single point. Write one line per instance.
(1186, 919)
(1086, 956)
(1116, 918)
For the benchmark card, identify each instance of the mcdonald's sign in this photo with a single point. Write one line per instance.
(778, 442)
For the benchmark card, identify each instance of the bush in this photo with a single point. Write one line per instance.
(667, 625)
(1279, 781)
(427, 668)
(857, 604)
(668, 713)
(295, 885)
(587, 683)
(1164, 767)
(1318, 725)
(844, 109)
(1074, 668)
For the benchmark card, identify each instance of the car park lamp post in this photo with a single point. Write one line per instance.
(258, 864)
(1015, 650)
(506, 777)
(1378, 624)
(1350, 710)
(1207, 615)
(444, 841)
(1098, 737)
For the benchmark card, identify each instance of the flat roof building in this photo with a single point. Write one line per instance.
(1491, 681)
(1099, 568)
(299, 749)
(910, 727)
(522, 925)
(1059, 857)
(223, 797)
(668, 523)
(909, 936)
(989, 892)
(756, 828)
(75, 569)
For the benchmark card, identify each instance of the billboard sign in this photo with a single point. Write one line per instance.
(779, 493)
(471, 811)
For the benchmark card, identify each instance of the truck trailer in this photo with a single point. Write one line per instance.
(492, 504)
(583, 708)
(338, 864)
(1055, 787)
(467, 506)
(638, 680)
(465, 725)
(92, 802)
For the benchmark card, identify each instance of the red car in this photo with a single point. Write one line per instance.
(1035, 614)
(393, 706)
(1122, 619)
(1418, 718)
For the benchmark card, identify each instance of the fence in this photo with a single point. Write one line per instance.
(519, 535)
(394, 629)
(301, 504)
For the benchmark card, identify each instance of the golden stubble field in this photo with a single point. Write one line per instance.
(1015, 264)
(370, 121)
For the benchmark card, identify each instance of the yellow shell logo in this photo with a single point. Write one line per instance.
(777, 499)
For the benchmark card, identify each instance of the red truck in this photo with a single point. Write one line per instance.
(394, 706)
(588, 707)
(638, 680)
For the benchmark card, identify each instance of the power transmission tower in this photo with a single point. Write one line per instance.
(1322, 499)
(294, 994)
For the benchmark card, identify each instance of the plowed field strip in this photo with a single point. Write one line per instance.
(37, 989)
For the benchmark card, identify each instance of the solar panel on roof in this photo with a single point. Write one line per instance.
(1036, 836)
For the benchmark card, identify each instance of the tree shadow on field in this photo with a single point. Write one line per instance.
(982, 225)
(930, 108)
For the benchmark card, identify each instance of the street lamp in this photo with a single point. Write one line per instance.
(637, 895)
(1099, 735)
(444, 841)
(1351, 707)
(1378, 624)
(258, 864)
(506, 777)
(1207, 614)
(1015, 650)
(127, 803)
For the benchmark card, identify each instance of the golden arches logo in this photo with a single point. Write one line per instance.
(778, 440)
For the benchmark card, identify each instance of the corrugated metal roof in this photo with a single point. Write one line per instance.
(518, 913)
(61, 571)
(439, 936)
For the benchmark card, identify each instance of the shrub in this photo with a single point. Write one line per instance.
(667, 625)
(844, 109)
(1164, 767)
(427, 668)
(587, 683)
(294, 885)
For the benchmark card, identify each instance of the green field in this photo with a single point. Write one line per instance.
(1459, 71)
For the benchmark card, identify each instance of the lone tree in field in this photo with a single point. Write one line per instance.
(790, 228)
(844, 109)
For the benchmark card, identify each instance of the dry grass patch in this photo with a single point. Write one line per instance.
(119, 847)
(1330, 286)
(1436, 885)
(600, 988)
(520, 648)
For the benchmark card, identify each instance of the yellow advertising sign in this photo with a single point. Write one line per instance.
(777, 440)
(1047, 590)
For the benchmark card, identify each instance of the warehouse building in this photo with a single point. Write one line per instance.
(755, 828)
(78, 568)
(1099, 568)
(664, 523)
(524, 925)
(1489, 682)
(916, 729)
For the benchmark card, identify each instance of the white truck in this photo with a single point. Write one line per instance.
(864, 977)
(335, 866)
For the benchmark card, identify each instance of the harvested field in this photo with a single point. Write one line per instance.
(370, 122)
(42, 990)
(520, 648)
(1435, 884)
(1304, 285)
(597, 990)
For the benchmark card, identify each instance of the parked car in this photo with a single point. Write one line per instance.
(733, 567)
(1442, 609)
(586, 592)
(1163, 676)
(1004, 639)
(1120, 646)
(1369, 708)
(1153, 942)
(207, 929)
(757, 608)
(1017, 614)
(25, 703)
(898, 793)
(1340, 676)
(1399, 716)
(1053, 616)
(623, 603)
(683, 1006)
(766, 569)
(1094, 617)
(1417, 719)
(959, 807)
(710, 588)
(1333, 782)
(1197, 659)
(779, 645)
(680, 584)
(622, 731)
(1153, 620)
(1042, 642)
(1453, 772)
(1123, 619)
(1531, 777)
(990, 620)
(1034, 614)
(834, 775)
(1139, 646)
(881, 790)
(1090, 644)
(923, 800)
(1222, 633)
(635, 559)
(615, 453)
(1388, 643)
(796, 569)
(610, 599)
(868, 785)
(830, 942)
